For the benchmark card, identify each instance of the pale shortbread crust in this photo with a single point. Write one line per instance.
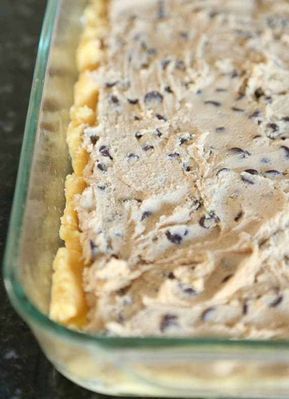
(68, 305)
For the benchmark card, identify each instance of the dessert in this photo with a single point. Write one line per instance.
(177, 215)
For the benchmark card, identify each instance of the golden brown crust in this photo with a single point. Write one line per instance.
(68, 305)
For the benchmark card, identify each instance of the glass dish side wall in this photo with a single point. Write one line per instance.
(45, 201)
(168, 371)
(118, 366)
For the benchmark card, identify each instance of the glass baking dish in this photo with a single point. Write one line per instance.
(173, 367)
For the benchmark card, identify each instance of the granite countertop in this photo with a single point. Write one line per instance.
(24, 371)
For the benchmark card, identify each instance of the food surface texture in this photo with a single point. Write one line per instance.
(180, 147)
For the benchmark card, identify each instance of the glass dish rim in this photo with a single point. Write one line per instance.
(15, 291)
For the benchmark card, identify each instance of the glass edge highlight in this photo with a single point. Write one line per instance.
(15, 291)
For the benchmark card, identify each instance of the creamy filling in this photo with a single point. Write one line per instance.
(185, 218)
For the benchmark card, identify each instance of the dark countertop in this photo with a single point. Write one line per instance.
(24, 371)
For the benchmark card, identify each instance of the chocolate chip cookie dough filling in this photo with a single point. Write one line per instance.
(177, 216)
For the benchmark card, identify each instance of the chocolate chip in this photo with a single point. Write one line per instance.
(205, 314)
(188, 84)
(234, 74)
(225, 279)
(222, 170)
(220, 129)
(268, 99)
(255, 114)
(158, 132)
(286, 149)
(278, 21)
(188, 290)
(186, 167)
(146, 215)
(104, 150)
(247, 179)
(169, 90)
(183, 140)
(285, 119)
(151, 51)
(239, 151)
(102, 167)
(239, 216)
(133, 101)
(245, 308)
(276, 301)
(259, 93)
(212, 102)
(138, 135)
(114, 99)
(236, 109)
(161, 117)
(251, 171)
(165, 63)
(102, 44)
(137, 118)
(144, 45)
(168, 320)
(184, 35)
(161, 9)
(94, 250)
(153, 97)
(209, 221)
(286, 260)
(132, 156)
(171, 276)
(94, 139)
(174, 238)
(213, 14)
(196, 204)
(122, 291)
(263, 242)
(273, 126)
(174, 155)
(109, 85)
(148, 147)
(180, 65)
(272, 173)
